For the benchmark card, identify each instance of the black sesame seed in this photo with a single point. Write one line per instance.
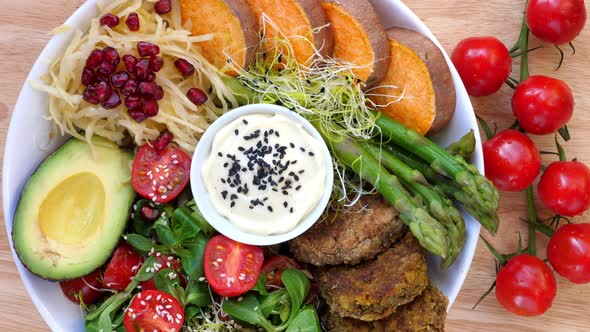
(244, 121)
(236, 132)
(285, 204)
(292, 145)
(224, 194)
(291, 210)
(312, 154)
(220, 154)
(297, 188)
(232, 204)
(269, 208)
(241, 148)
(301, 171)
(302, 149)
(285, 193)
(225, 165)
(233, 196)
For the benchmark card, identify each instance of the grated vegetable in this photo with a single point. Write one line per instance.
(72, 115)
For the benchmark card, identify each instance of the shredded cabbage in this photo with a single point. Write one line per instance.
(72, 115)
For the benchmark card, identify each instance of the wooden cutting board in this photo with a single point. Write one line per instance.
(25, 25)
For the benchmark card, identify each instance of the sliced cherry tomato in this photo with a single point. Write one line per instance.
(160, 175)
(231, 268)
(122, 268)
(483, 64)
(565, 188)
(512, 161)
(273, 268)
(526, 286)
(569, 252)
(556, 21)
(153, 310)
(542, 104)
(167, 262)
(85, 289)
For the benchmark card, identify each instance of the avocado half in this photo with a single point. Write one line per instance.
(74, 209)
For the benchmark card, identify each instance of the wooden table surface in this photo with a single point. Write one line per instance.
(24, 26)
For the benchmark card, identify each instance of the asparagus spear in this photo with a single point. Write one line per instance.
(439, 207)
(429, 232)
(464, 147)
(488, 218)
(466, 176)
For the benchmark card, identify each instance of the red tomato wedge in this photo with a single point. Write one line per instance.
(122, 268)
(153, 310)
(231, 268)
(160, 175)
(273, 269)
(85, 289)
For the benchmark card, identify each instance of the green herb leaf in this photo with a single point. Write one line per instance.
(140, 243)
(190, 312)
(198, 294)
(260, 286)
(169, 285)
(273, 302)
(247, 310)
(139, 226)
(306, 321)
(297, 284)
(193, 255)
(184, 225)
(166, 236)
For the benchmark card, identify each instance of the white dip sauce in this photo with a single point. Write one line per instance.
(265, 173)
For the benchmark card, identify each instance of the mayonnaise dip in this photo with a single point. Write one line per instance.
(265, 173)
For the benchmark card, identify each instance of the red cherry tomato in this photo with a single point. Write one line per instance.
(483, 63)
(122, 268)
(526, 286)
(231, 268)
(167, 262)
(542, 104)
(569, 252)
(160, 175)
(85, 289)
(565, 188)
(273, 269)
(153, 310)
(556, 21)
(512, 161)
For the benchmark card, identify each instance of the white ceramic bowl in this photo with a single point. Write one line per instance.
(27, 144)
(202, 196)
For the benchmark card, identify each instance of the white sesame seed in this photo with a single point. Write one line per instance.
(168, 306)
(174, 156)
(158, 254)
(155, 316)
(151, 195)
(142, 303)
(219, 260)
(157, 170)
(215, 264)
(161, 177)
(202, 279)
(149, 297)
(154, 198)
(175, 161)
(223, 275)
(158, 297)
(163, 196)
(170, 258)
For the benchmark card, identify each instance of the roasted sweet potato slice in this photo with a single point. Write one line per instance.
(420, 76)
(302, 22)
(359, 38)
(233, 24)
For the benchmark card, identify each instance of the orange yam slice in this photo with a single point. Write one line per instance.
(233, 24)
(359, 38)
(295, 20)
(419, 75)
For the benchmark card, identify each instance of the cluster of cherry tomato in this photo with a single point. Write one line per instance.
(542, 105)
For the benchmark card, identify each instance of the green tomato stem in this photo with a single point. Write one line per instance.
(532, 220)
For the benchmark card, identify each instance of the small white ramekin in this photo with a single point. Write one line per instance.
(202, 196)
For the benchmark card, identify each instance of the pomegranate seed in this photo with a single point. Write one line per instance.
(103, 91)
(150, 108)
(156, 63)
(132, 22)
(145, 49)
(163, 140)
(197, 96)
(148, 88)
(184, 67)
(94, 59)
(119, 79)
(163, 7)
(111, 55)
(141, 68)
(159, 93)
(137, 115)
(89, 96)
(106, 68)
(109, 20)
(129, 88)
(150, 77)
(113, 101)
(133, 102)
(149, 214)
(129, 61)
(103, 77)
(88, 76)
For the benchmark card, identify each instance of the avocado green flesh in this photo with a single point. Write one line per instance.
(73, 210)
